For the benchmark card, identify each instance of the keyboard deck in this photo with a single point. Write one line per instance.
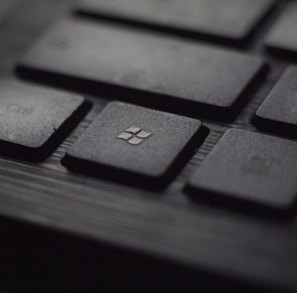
(72, 224)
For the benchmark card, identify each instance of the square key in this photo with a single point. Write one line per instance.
(277, 113)
(132, 141)
(34, 120)
(249, 168)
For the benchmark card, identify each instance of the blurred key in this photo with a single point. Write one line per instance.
(249, 169)
(283, 37)
(34, 120)
(224, 19)
(127, 142)
(167, 72)
(278, 111)
(6, 6)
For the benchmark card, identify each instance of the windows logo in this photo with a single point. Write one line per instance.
(134, 135)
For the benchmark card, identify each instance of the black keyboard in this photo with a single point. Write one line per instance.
(148, 145)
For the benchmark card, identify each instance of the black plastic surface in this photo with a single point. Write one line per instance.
(204, 17)
(34, 120)
(131, 140)
(277, 113)
(70, 232)
(175, 73)
(250, 167)
(283, 36)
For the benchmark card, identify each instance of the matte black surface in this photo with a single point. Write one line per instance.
(61, 229)
(278, 111)
(134, 140)
(251, 167)
(229, 19)
(177, 72)
(283, 36)
(31, 118)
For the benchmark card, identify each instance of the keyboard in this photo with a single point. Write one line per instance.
(148, 146)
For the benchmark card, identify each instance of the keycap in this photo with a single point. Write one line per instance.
(171, 73)
(133, 143)
(278, 111)
(6, 6)
(249, 169)
(283, 37)
(34, 120)
(224, 19)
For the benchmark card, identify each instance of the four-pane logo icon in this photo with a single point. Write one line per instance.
(134, 135)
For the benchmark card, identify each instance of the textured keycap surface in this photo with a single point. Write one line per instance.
(164, 66)
(250, 167)
(283, 36)
(31, 115)
(133, 139)
(232, 19)
(281, 104)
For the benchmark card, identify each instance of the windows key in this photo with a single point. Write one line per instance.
(131, 142)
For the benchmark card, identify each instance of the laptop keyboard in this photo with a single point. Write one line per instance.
(162, 127)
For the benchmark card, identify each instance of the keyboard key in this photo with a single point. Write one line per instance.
(250, 169)
(278, 111)
(283, 37)
(34, 120)
(131, 142)
(170, 72)
(224, 19)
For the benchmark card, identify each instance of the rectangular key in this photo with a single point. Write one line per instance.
(278, 111)
(34, 120)
(250, 169)
(168, 72)
(232, 20)
(283, 37)
(127, 142)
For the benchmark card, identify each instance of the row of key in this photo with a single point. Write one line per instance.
(151, 146)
